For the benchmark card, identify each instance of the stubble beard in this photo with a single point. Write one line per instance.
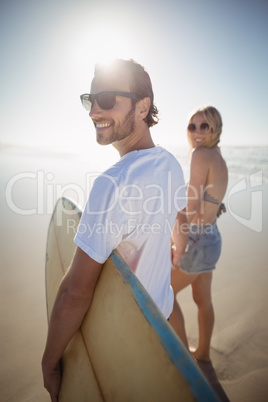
(123, 130)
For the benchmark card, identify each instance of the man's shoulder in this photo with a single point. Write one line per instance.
(139, 165)
(172, 162)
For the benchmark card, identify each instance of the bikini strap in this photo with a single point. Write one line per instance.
(210, 198)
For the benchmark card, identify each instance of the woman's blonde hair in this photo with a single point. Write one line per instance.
(213, 118)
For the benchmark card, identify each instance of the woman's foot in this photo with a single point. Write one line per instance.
(199, 356)
(209, 372)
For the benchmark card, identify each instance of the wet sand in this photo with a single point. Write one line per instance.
(239, 343)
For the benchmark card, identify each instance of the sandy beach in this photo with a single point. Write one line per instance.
(239, 343)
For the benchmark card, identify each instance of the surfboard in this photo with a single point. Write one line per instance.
(125, 350)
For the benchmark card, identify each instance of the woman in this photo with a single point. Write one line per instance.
(206, 189)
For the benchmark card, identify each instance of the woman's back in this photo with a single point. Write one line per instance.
(207, 186)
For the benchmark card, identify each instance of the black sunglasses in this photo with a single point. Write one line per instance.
(106, 99)
(204, 127)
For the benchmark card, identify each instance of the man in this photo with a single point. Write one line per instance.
(131, 207)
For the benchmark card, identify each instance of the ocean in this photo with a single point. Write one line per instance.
(33, 180)
(250, 163)
(242, 162)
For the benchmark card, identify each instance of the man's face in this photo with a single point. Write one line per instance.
(119, 122)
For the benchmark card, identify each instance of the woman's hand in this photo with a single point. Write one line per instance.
(179, 237)
(175, 256)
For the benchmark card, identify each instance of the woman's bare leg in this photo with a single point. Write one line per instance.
(176, 320)
(179, 280)
(202, 296)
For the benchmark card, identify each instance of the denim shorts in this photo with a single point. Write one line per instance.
(203, 249)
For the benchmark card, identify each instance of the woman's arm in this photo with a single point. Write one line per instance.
(198, 177)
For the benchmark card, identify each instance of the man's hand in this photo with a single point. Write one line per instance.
(52, 381)
(179, 237)
(176, 255)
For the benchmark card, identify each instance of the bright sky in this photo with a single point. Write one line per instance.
(197, 52)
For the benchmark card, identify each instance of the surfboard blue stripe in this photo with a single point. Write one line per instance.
(199, 387)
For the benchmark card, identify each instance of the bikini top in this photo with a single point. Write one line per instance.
(213, 200)
(210, 198)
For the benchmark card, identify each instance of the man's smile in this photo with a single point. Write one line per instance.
(102, 125)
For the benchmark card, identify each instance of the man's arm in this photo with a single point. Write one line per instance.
(72, 302)
(179, 237)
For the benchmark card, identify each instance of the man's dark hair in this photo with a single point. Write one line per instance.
(140, 83)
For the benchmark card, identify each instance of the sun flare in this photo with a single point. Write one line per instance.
(105, 45)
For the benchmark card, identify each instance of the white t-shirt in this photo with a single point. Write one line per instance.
(132, 208)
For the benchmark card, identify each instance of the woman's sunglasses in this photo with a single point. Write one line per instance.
(106, 99)
(204, 127)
